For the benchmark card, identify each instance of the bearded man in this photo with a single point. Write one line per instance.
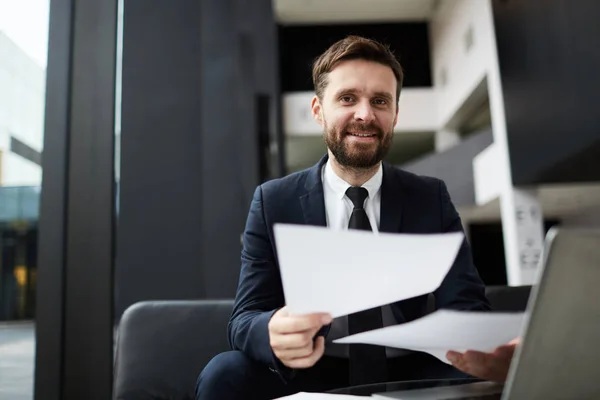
(357, 86)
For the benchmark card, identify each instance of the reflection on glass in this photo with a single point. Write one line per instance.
(18, 251)
(23, 57)
(118, 87)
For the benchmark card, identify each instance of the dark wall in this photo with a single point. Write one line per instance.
(549, 62)
(257, 44)
(300, 45)
(192, 73)
(487, 245)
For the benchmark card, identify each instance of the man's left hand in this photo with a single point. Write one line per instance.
(489, 366)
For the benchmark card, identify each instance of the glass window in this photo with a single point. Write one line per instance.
(23, 57)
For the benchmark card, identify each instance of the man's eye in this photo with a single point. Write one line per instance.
(346, 99)
(380, 102)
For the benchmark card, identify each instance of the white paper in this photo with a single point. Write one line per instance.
(319, 396)
(467, 391)
(446, 330)
(342, 272)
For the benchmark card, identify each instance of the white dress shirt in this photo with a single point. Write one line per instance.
(338, 208)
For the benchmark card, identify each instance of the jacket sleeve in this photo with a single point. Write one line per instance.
(259, 293)
(462, 289)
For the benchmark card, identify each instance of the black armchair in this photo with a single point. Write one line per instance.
(162, 346)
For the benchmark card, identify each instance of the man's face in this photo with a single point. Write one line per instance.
(358, 112)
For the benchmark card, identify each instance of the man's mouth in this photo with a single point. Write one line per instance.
(361, 134)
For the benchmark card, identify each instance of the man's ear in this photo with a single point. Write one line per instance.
(317, 110)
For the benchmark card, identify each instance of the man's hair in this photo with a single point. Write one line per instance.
(354, 48)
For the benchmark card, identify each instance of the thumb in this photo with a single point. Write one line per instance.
(283, 312)
(506, 351)
(319, 348)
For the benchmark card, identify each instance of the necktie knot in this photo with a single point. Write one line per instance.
(357, 195)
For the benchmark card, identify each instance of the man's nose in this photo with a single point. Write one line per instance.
(364, 112)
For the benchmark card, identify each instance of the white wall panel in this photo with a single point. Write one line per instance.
(461, 42)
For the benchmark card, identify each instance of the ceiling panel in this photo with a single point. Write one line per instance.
(288, 12)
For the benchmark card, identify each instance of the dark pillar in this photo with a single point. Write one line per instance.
(74, 315)
(193, 72)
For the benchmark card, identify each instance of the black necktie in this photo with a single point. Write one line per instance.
(367, 362)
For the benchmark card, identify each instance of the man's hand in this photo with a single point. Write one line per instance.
(291, 338)
(489, 366)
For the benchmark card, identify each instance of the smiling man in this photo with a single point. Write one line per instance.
(357, 83)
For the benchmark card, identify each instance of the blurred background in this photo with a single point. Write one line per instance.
(133, 134)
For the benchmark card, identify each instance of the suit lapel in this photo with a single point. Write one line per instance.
(391, 201)
(313, 200)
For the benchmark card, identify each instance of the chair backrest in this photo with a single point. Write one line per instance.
(501, 298)
(162, 346)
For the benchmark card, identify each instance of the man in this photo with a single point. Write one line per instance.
(357, 83)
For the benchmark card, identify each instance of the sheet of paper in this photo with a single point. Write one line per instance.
(320, 396)
(446, 330)
(467, 391)
(342, 272)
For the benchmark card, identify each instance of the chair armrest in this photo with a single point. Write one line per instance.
(508, 298)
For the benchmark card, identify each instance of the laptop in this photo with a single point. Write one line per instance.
(559, 357)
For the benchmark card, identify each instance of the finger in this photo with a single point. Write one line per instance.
(454, 356)
(292, 340)
(294, 354)
(477, 359)
(300, 323)
(486, 366)
(307, 362)
(458, 361)
(500, 362)
(480, 364)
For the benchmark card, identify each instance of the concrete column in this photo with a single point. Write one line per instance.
(523, 229)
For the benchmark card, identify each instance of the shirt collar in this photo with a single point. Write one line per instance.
(339, 186)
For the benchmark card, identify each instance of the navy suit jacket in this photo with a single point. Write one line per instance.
(409, 204)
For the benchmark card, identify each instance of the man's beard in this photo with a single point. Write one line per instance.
(361, 155)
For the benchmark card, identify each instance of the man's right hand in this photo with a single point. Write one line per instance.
(291, 338)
